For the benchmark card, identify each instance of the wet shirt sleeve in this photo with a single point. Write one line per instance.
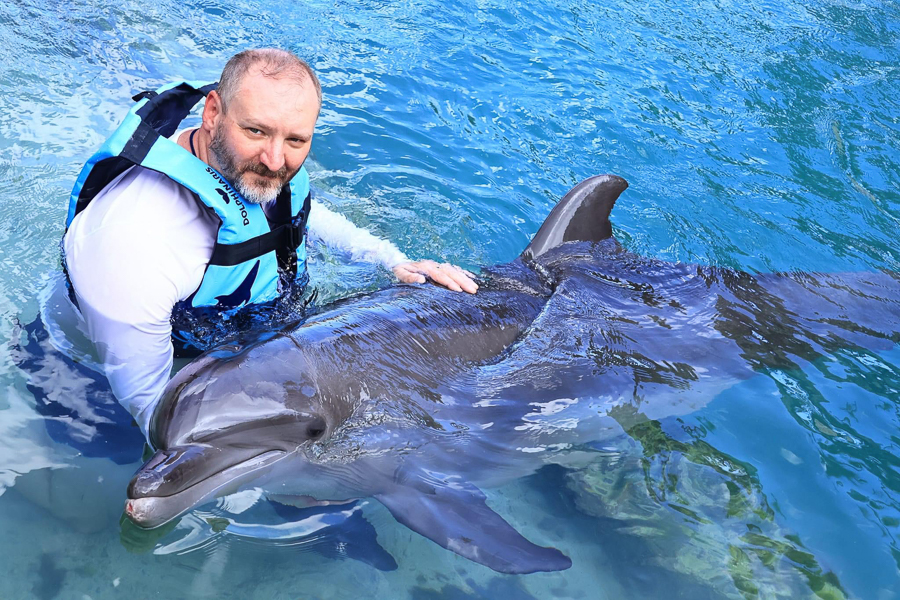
(336, 231)
(138, 248)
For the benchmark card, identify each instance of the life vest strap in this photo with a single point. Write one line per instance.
(287, 236)
(229, 255)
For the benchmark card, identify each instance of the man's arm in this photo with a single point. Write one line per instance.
(136, 357)
(336, 231)
(138, 248)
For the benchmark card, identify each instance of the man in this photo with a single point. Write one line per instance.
(161, 232)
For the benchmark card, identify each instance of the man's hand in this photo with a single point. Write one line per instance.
(447, 275)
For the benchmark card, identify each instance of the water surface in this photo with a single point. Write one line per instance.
(761, 135)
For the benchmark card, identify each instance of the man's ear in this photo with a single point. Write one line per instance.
(213, 111)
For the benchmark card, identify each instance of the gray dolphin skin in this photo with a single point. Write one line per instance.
(419, 396)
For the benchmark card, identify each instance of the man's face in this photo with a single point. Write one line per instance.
(264, 135)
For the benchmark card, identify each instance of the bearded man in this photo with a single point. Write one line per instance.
(170, 232)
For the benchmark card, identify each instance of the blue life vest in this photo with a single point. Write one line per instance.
(253, 260)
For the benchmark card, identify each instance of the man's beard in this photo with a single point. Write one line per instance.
(236, 174)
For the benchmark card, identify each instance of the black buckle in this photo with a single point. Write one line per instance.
(145, 94)
(294, 236)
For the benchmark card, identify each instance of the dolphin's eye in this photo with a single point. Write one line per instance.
(316, 428)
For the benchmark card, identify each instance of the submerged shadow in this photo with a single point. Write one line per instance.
(686, 517)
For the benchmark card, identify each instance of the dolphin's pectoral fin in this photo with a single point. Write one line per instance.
(348, 534)
(458, 519)
(358, 540)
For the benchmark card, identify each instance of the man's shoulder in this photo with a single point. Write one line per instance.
(147, 233)
(142, 204)
(143, 196)
(143, 180)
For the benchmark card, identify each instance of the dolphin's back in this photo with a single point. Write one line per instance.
(407, 330)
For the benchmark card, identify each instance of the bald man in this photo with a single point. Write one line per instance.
(172, 233)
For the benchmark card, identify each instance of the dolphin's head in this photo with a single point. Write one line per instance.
(221, 424)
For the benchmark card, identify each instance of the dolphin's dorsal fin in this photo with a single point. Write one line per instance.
(582, 215)
(457, 517)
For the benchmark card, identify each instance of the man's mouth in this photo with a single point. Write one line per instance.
(265, 172)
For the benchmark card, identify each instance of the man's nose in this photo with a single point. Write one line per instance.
(272, 155)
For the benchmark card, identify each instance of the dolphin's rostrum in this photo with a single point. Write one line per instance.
(414, 394)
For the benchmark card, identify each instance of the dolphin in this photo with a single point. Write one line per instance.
(419, 397)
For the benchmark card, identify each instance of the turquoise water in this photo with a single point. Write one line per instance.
(761, 136)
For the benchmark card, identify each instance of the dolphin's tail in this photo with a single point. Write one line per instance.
(582, 215)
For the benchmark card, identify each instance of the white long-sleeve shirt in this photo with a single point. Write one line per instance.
(141, 246)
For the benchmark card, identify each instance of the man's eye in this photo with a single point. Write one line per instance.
(254, 130)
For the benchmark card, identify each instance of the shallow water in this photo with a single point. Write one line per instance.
(761, 136)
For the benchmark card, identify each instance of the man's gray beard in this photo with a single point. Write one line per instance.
(255, 195)
(229, 170)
